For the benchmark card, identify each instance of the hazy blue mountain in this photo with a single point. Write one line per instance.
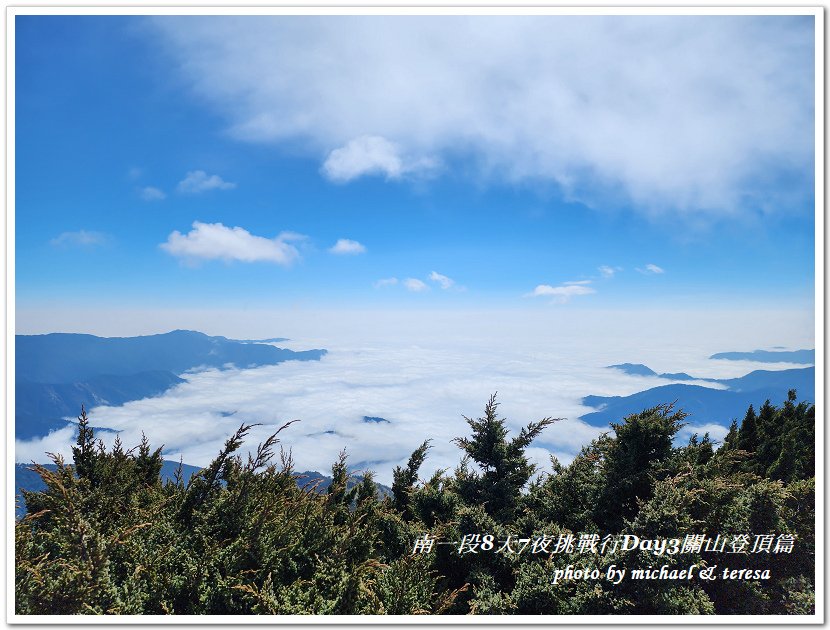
(69, 358)
(57, 373)
(705, 404)
(805, 357)
(635, 369)
(801, 379)
(270, 340)
(677, 376)
(39, 406)
(702, 403)
(638, 369)
(375, 419)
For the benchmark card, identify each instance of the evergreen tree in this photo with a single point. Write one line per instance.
(730, 442)
(83, 454)
(769, 433)
(505, 469)
(404, 479)
(748, 433)
(633, 461)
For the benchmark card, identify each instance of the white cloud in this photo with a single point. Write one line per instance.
(441, 279)
(562, 293)
(346, 246)
(591, 103)
(373, 155)
(81, 238)
(215, 241)
(363, 156)
(576, 282)
(151, 193)
(385, 282)
(608, 272)
(651, 269)
(413, 284)
(196, 182)
(58, 442)
(366, 155)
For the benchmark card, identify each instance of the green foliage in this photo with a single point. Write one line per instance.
(504, 468)
(404, 479)
(780, 442)
(633, 462)
(106, 536)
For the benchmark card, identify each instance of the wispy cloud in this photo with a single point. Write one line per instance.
(345, 246)
(415, 285)
(81, 238)
(196, 182)
(562, 293)
(608, 272)
(564, 120)
(151, 193)
(444, 281)
(385, 282)
(651, 269)
(207, 241)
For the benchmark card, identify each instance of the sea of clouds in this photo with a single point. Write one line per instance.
(423, 371)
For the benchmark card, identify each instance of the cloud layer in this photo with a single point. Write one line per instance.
(693, 115)
(422, 372)
(209, 241)
(422, 391)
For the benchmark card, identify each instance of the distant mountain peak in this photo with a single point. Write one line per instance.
(375, 419)
(805, 357)
(638, 369)
(635, 369)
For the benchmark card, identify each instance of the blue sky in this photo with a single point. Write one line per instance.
(544, 163)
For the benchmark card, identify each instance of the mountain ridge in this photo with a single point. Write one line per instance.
(706, 404)
(56, 373)
(770, 356)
